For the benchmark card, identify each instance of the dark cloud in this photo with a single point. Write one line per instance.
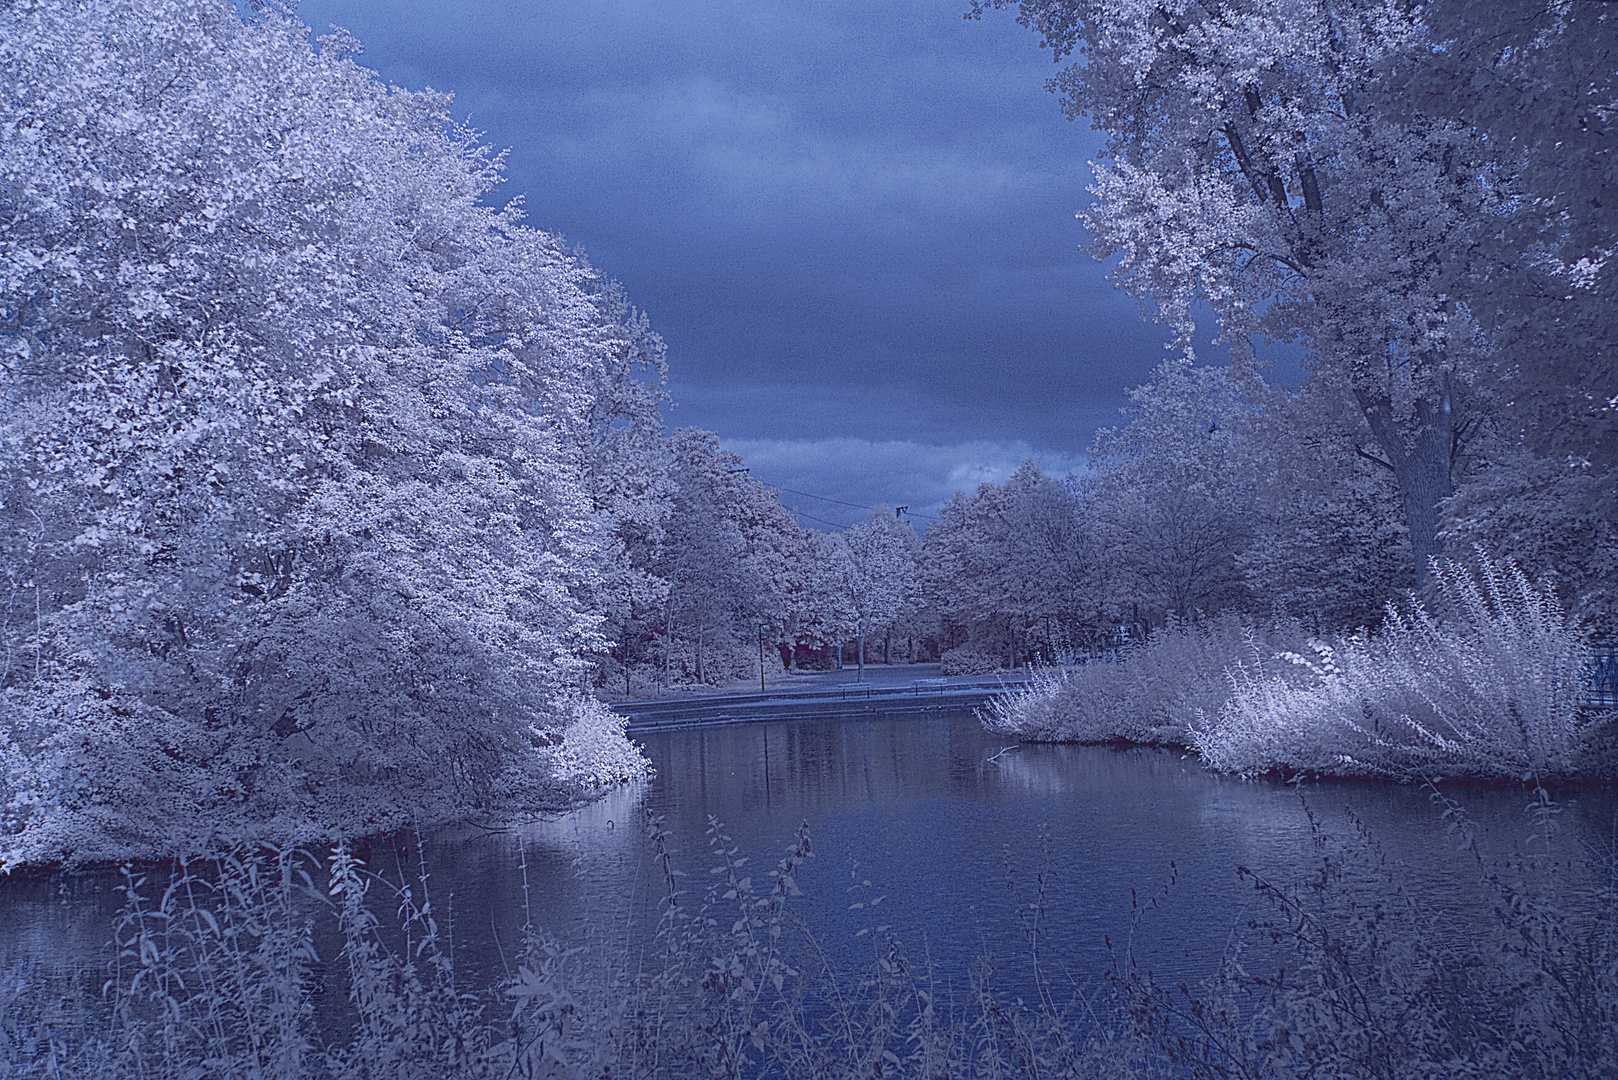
(853, 223)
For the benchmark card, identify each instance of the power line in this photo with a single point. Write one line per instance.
(823, 498)
(840, 502)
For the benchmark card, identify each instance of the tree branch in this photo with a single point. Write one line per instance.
(1373, 458)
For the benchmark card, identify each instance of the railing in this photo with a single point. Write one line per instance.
(1601, 676)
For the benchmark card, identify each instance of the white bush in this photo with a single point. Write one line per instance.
(1155, 694)
(1490, 689)
(595, 754)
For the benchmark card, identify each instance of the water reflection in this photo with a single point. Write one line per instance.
(962, 835)
(955, 830)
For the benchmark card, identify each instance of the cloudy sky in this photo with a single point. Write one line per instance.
(853, 223)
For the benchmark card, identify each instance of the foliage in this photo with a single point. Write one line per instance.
(292, 469)
(1154, 693)
(1171, 502)
(1493, 689)
(1557, 520)
(1329, 545)
(1419, 194)
(1017, 566)
(866, 578)
(732, 564)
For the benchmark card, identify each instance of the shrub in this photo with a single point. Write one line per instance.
(966, 660)
(595, 754)
(1488, 683)
(1155, 693)
(1492, 689)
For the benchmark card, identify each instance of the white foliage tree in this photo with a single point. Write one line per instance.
(1328, 544)
(1171, 499)
(882, 554)
(1016, 565)
(295, 441)
(1420, 193)
(1224, 493)
(718, 591)
(865, 577)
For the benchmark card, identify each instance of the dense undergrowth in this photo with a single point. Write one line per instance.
(1487, 683)
(216, 974)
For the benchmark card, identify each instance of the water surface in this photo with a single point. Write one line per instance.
(971, 843)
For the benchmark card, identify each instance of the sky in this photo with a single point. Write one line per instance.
(853, 224)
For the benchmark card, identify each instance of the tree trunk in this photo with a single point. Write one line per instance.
(860, 657)
(1421, 455)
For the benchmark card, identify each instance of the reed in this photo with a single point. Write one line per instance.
(1486, 682)
(1157, 693)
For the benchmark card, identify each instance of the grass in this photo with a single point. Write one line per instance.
(1485, 684)
(215, 974)
(1155, 694)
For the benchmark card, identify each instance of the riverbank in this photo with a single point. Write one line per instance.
(1503, 687)
(826, 694)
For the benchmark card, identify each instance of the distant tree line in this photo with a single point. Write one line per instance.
(1220, 494)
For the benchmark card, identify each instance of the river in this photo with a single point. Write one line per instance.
(954, 829)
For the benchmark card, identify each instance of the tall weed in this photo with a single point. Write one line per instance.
(216, 976)
(1487, 682)
(1156, 693)
(1490, 689)
(1376, 989)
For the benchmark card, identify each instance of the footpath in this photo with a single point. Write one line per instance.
(899, 688)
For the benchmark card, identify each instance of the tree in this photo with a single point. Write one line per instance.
(295, 443)
(862, 579)
(1328, 542)
(1541, 82)
(882, 581)
(734, 555)
(1016, 564)
(1171, 498)
(634, 491)
(1346, 173)
(630, 485)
